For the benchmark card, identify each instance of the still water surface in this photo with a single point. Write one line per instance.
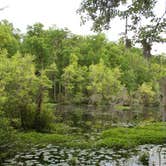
(106, 115)
(78, 116)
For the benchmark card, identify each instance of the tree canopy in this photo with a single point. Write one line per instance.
(141, 19)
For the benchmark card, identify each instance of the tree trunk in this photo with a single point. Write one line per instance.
(127, 41)
(146, 48)
(163, 98)
(39, 102)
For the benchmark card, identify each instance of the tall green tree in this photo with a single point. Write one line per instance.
(101, 12)
(21, 89)
(104, 11)
(74, 81)
(9, 37)
(18, 83)
(35, 43)
(104, 84)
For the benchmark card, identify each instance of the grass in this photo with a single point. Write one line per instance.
(154, 133)
(115, 137)
(34, 138)
(43, 138)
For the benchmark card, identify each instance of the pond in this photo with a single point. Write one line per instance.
(152, 155)
(79, 116)
(104, 116)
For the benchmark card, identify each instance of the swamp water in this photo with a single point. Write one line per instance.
(152, 155)
(104, 116)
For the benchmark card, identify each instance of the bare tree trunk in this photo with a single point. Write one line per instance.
(127, 41)
(146, 48)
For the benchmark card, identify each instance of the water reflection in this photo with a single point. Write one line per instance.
(106, 115)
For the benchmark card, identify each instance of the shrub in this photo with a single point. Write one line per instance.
(44, 121)
(60, 128)
(7, 138)
(144, 158)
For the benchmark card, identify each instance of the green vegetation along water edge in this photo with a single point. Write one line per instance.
(115, 138)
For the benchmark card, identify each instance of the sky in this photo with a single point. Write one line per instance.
(61, 13)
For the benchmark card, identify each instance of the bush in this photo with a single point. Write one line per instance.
(28, 117)
(60, 128)
(7, 138)
(121, 137)
(144, 158)
(44, 121)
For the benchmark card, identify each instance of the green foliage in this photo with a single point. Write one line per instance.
(71, 69)
(60, 128)
(76, 118)
(104, 84)
(69, 61)
(74, 80)
(115, 137)
(131, 137)
(144, 158)
(146, 93)
(45, 120)
(73, 161)
(59, 67)
(91, 49)
(134, 62)
(35, 43)
(19, 86)
(18, 82)
(9, 38)
(7, 137)
(102, 12)
(43, 138)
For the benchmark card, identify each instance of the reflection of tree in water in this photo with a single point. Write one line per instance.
(85, 115)
(159, 153)
(163, 98)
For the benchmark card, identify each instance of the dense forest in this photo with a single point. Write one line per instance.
(53, 66)
(56, 66)
(43, 68)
